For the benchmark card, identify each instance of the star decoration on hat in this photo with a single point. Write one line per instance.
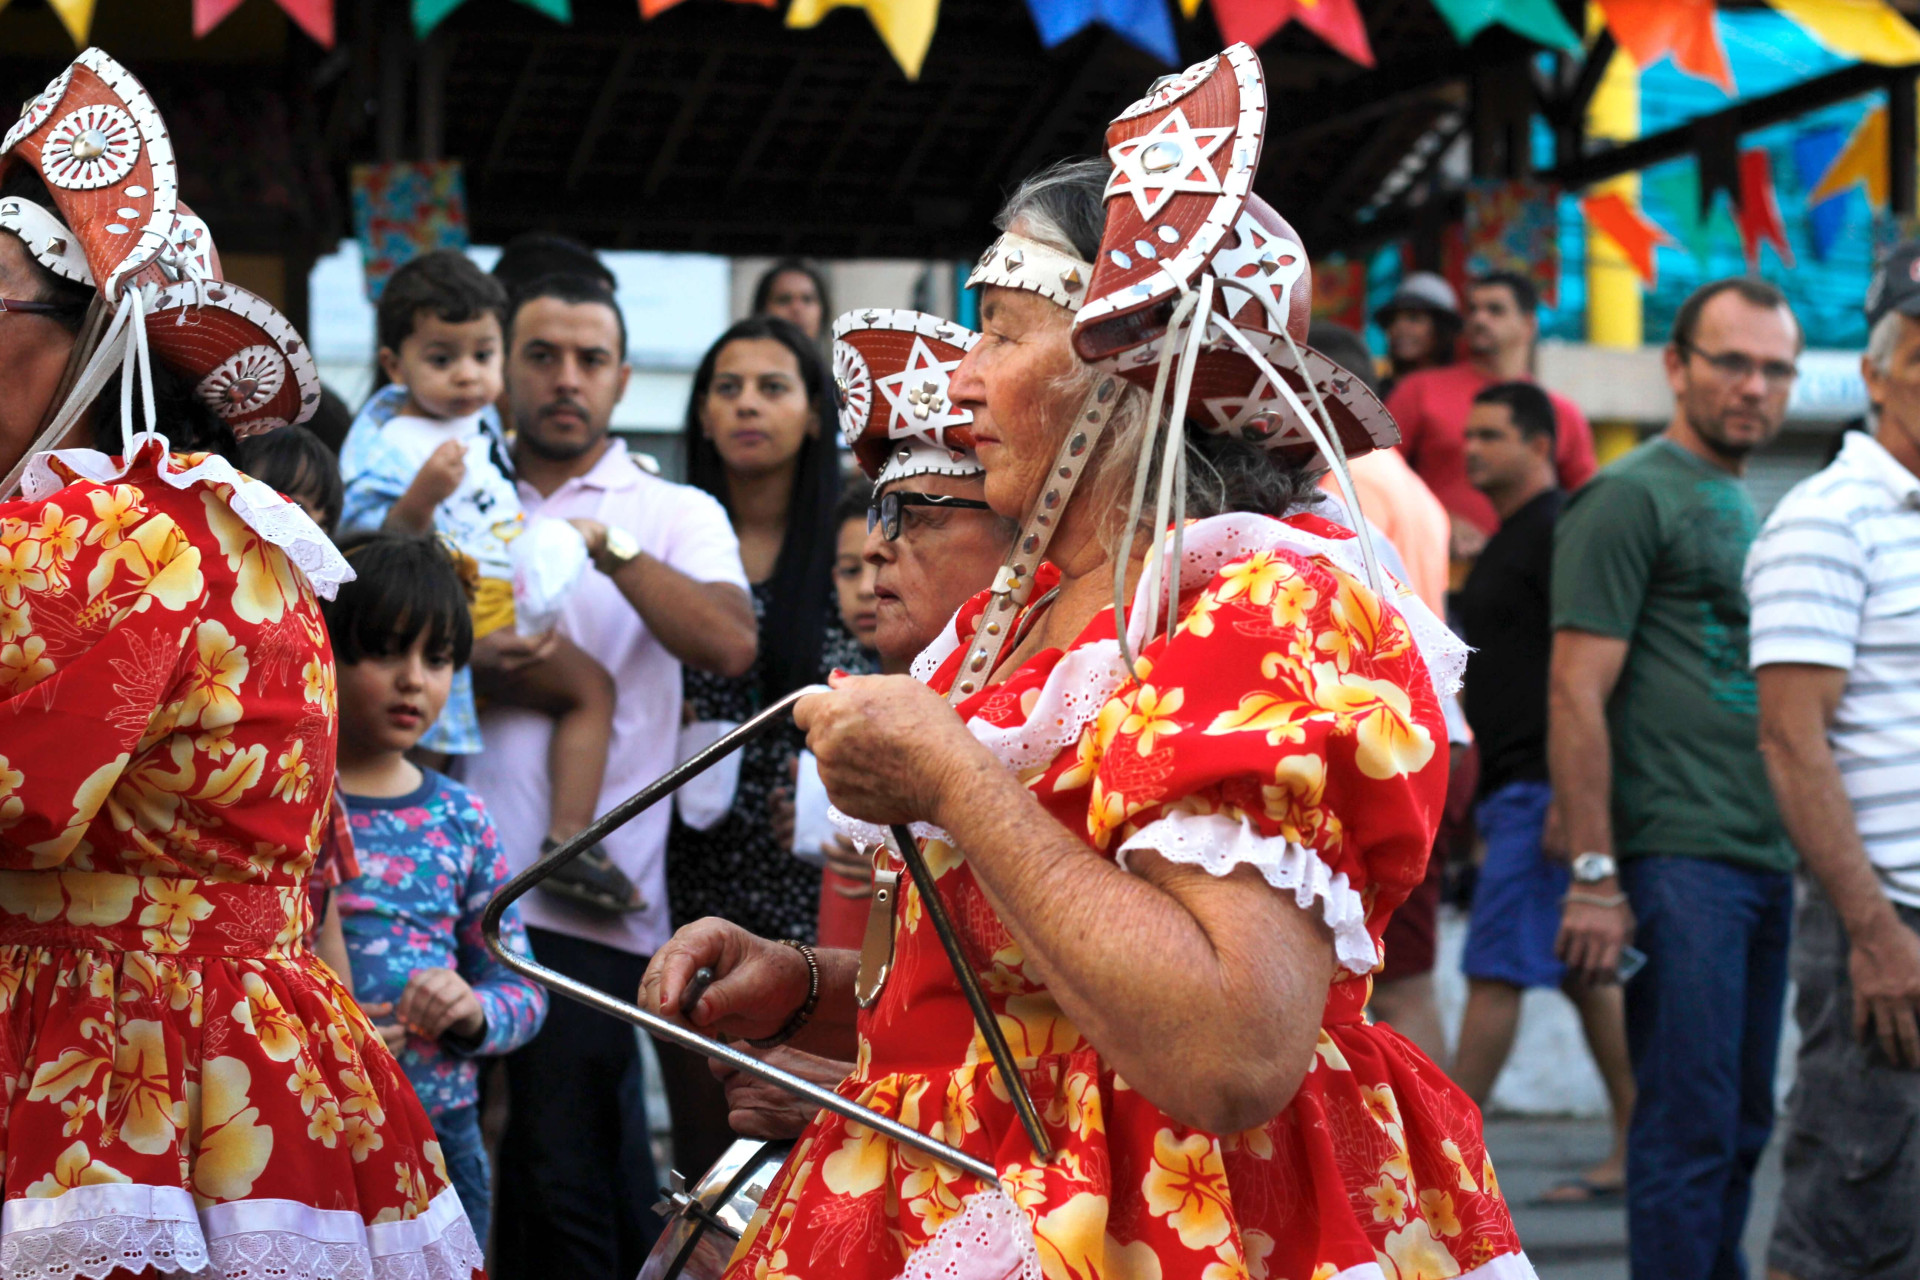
(1263, 265)
(917, 395)
(1168, 158)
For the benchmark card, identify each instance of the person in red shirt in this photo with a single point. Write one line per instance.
(1431, 406)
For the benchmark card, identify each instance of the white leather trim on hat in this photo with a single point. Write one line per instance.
(1015, 262)
(178, 298)
(918, 458)
(50, 241)
(159, 145)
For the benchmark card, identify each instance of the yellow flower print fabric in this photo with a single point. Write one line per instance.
(1289, 698)
(167, 727)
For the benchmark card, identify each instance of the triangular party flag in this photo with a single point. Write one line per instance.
(1675, 189)
(1870, 30)
(905, 26)
(1813, 155)
(1758, 215)
(1716, 150)
(75, 15)
(654, 8)
(314, 16)
(1188, 8)
(428, 14)
(1142, 22)
(1615, 216)
(1253, 22)
(1649, 30)
(1538, 20)
(1862, 161)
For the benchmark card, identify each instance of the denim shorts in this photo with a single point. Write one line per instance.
(1516, 899)
(1850, 1195)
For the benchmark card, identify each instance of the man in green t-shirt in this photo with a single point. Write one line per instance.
(1653, 749)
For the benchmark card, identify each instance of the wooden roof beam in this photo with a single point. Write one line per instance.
(602, 112)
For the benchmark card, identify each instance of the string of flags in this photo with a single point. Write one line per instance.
(1649, 30)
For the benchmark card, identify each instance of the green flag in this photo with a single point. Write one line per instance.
(1538, 20)
(427, 14)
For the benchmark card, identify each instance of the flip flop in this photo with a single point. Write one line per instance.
(1582, 1191)
(592, 880)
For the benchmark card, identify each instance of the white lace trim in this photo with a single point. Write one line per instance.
(268, 514)
(871, 835)
(928, 660)
(990, 1239)
(1218, 843)
(1209, 545)
(88, 1232)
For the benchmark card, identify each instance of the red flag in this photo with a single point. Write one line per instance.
(1635, 233)
(654, 8)
(1255, 21)
(1652, 29)
(1758, 215)
(314, 16)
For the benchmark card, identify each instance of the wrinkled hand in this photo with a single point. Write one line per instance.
(1590, 940)
(1884, 966)
(756, 1109)
(757, 984)
(848, 863)
(888, 746)
(441, 474)
(505, 652)
(437, 1001)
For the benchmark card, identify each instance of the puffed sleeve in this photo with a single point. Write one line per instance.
(1291, 726)
(99, 596)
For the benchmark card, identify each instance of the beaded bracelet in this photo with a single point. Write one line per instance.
(805, 1012)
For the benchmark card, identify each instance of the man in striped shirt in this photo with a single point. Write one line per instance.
(1834, 581)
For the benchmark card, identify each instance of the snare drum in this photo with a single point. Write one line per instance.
(705, 1224)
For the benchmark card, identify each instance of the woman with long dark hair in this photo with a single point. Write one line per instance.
(760, 438)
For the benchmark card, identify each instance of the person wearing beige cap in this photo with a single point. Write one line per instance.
(1422, 322)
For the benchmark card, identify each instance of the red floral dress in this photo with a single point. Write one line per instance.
(187, 1087)
(1291, 724)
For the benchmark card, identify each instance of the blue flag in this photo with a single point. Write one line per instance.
(1145, 23)
(1813, 153)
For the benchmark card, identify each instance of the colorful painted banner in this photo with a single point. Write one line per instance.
(404, 209)
(1515, 226)
(1340, 292)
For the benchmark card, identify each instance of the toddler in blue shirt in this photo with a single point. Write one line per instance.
(429, 858)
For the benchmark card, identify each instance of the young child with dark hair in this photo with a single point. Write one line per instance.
(297, 463)
(429, 858)
(427, 455)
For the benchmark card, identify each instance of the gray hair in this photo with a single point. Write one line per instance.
(1881, 342)
(1063, 206)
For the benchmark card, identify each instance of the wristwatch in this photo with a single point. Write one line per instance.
(1592, 868)
(619, 548)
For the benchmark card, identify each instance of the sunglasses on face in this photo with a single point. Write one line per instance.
(885, 513)
(26, 307)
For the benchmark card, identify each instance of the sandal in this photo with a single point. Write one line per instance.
(592, 880)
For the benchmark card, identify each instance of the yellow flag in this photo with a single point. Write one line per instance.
(1862, 160)
(905, 26)
(75, 15)
(1189, 7)
(1870, 30)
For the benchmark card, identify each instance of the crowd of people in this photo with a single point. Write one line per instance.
(1199, 865)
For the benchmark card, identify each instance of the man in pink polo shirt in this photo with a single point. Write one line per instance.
(1431, 406)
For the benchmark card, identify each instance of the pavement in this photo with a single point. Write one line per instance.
(1589, 1242)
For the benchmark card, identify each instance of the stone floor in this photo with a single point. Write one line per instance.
(1581, 1242)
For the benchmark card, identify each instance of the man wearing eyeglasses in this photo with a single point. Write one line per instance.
(1836, 631)
(1659, 790)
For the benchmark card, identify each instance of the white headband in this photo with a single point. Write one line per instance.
(49, 240)
(1015, 262)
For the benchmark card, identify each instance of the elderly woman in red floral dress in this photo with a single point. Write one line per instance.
(187, 1088)
(1171, 875)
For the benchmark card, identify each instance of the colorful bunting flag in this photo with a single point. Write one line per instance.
(1758, 214)
(1254, 22)
(1616, 217)
(1863, 161)
(1141, 22)
(314, 16)
(1538, 20)
(1869, 30)
(905, 26)
(654, 8)
(1813, 154)
(1340, 292)
(1515, 226)
(75, 15)
(1650, 30)
(428, 14)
